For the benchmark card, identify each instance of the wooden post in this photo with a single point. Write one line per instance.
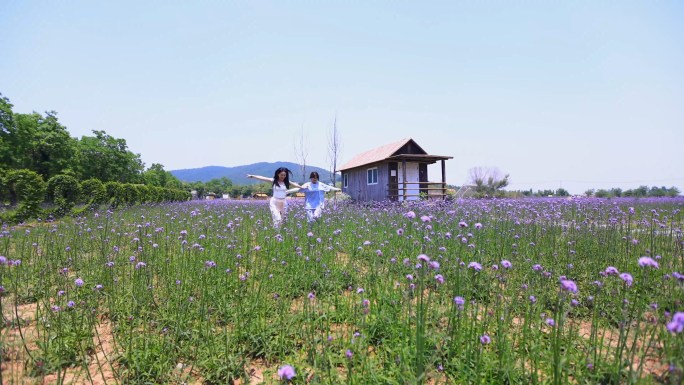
(403, 172)
(443, 180)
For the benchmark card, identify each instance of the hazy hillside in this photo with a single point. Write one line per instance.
(238, 174)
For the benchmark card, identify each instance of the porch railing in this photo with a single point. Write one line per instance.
(413, 190)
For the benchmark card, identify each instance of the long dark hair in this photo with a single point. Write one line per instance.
(287, 176)
(314, 174)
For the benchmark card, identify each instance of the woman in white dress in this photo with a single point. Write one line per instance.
(278, 203)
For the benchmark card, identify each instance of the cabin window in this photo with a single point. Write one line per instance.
(345, 180)
(372, 175)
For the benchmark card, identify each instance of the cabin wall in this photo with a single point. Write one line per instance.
(358, 187)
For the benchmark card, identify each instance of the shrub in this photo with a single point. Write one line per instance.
(115, 193)
(93, 192)
(63, 191)
(26, 189)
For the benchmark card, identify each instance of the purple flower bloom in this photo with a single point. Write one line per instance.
(349, 354)
(140, 265)
(286, 372)
(569, 285)
(423, 258)
(78, 282)
(627, 278)
(533, 299)
(478, 225)
(550, 322)
(537, 267)
(475, 266)
(506, 264)
(677, 324)
(485, 339)
(400, 231)
(648, 261)
(71, 304)
(439, 278)
(434, 265)
(410, 215)
(459, 301)
(462, 224)
(312, 295)
(425, 218)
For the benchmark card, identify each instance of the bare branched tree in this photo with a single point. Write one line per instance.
(301, 153)
(488, 182)
(334, 150)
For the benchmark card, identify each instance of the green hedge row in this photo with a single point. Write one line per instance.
(24, 191)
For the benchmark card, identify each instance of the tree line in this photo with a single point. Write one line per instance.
(42, 164)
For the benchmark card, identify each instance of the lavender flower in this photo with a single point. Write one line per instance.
(78, 282)
(475, 266)
(568, 285)
(677, 324)
(286, 372)
(506, 264)
(627, 278)
(485, 339)
(648, 261)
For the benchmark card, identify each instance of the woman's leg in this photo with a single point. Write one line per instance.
(275, 212)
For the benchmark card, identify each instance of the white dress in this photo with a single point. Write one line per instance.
(278, 204)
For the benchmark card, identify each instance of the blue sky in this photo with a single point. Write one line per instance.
(575, 94)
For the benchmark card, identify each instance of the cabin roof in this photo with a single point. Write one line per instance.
(389, 151)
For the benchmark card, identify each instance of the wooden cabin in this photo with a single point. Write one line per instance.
(260, 196)
(397, 171)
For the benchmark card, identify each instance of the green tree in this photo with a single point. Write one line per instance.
(7, 133)
(561, 192)
(41, 144)
(602, 193)
(488, 182)
(672, 192)
(641, 191)
(156, 176)
(108, 159)
(219, 186)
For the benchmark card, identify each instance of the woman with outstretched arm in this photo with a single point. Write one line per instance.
(314, 192)
(281, 184)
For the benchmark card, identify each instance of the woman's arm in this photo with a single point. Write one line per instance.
(260, 177)
(327, 187)
(299, 188)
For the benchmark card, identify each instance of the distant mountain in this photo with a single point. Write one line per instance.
(238, 174)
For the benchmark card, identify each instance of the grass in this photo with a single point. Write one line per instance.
(209, 292)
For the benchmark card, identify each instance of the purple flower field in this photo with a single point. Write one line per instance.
(468, 291)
